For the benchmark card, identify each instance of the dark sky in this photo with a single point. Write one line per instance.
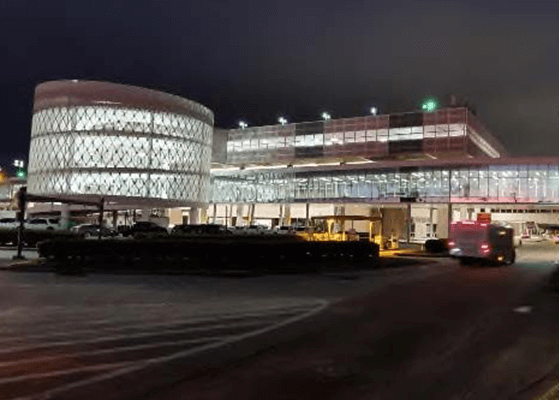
(258, 59)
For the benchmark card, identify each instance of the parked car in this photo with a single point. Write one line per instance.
(209, 229)
(89, 230)
(42, 224)
(255, 230)
(145, 228)
(8, 223)
(284, 230)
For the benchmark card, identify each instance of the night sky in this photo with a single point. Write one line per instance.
(256, 60)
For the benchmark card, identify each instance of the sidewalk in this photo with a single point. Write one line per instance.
(7, 262)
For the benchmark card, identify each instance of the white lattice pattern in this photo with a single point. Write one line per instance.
(120, 152)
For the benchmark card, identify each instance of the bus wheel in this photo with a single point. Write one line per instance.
(512, 258)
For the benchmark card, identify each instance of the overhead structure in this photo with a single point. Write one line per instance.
(130, 145)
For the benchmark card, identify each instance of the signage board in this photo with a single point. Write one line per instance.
(484, 217)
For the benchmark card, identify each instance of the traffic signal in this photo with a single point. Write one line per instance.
(21, 173)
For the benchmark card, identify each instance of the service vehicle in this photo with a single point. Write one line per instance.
(473, 240)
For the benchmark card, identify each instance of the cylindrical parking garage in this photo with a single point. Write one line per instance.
(127, 144)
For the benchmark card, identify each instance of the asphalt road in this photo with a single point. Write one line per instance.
(433, 331)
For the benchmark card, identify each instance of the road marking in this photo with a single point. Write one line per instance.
(63, 372)
(85, 312)
(189, 321)
(523, 309)
(124, 337)
(112, 350)
(136, 366)
(142, 319)
(551, 394)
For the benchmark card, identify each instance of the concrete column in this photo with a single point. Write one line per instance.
(287, 214)
(408, 223)
(194, 216)
(340, 210)
(115, 220)
(145, 214)
(307, 215)
(215, 213)
(281, 215)
(431, 221)
(65, 216)
(448, 220)
(204, 215)
(239, 214)
(251, 209)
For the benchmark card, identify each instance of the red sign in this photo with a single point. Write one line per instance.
(484, 217)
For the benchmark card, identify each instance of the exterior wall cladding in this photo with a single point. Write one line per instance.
(446, 133)
(124, 143)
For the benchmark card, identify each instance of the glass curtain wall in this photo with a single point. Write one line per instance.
(494, 183)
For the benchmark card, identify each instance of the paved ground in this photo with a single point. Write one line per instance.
(59, 334)
(467, 333)
(435, 331)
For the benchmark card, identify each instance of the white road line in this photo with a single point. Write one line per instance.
(136, 366)
(99, 367)
(158, 313)
(123, 327)
(112, 350)
(57, 311)
(142, 327)
(124, 337)
(523, 309)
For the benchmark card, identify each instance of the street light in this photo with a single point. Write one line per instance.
(20, 165)
(326, 116)
(374, 110)
(242, 124)
(430, 105)
(282, 120)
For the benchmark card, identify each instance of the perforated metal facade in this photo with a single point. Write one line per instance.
(446, 133)
(102, 145)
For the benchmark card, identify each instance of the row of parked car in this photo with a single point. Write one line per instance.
(149, 227)
(44, 224)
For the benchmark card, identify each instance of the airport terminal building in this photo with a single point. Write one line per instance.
(152, 152)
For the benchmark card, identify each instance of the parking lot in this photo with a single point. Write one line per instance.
(60, 333)
(53, 349)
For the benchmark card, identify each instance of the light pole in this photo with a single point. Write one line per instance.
(326, 116)
(282, 120)
(20, 165)
(374, 110)
(242, 124)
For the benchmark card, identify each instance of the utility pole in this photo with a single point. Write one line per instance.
(21, 198)
(101, 211)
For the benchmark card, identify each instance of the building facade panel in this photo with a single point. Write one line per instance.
(443, 133)
(113, 149)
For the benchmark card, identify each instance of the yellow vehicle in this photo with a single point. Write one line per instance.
(332, 228)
